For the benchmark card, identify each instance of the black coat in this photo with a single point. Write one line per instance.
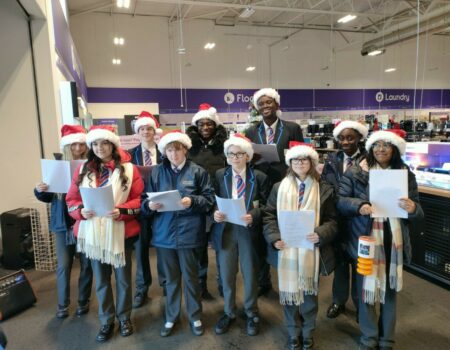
(285, 132)
(327, 229)
(256, 189)
(209, 155)
(354, 192)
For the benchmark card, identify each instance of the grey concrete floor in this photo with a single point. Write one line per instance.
(422, 322)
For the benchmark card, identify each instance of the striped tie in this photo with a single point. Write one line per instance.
(349, 162)
(104, 177)
(176, 170)
(270, 136)
(240, 186)
(147, 158)
(301, 193)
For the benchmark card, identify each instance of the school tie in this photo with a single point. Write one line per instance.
(270, 135)
(147, 158)
(349, 162)
(104, 177)
(176, 170)
(240, 186)
(301, 194)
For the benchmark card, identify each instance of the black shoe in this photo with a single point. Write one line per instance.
(82, 308)
(293, 343)
(223, 324)
(105, 332)
(253, 325)
(166, 331)
(308, 344)
(126, 328)
(62, 311)
(197, 328)
(335, 310)
(139, 300)
(206, 295)
(264, 290)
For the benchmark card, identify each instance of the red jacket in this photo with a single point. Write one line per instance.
(128, 210)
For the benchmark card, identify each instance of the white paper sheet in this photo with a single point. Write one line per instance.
(386, 188)
(98, 199)
(170, 200)
(269, 153)
(294, 226)
(234, 209)
(56, 174)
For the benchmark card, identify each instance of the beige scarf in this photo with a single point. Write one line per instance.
(102, 238)
(298, 268)
(374, 285)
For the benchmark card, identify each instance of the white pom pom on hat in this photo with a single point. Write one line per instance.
(205, 111)
(349, 124)
(241, 141)
(174, 136)
(146, 118)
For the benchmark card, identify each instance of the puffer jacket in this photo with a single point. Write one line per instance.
(354, 192)
(327, 229)
(60, 220)
(183, 228)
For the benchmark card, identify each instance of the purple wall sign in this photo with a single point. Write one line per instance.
(291, 100)
(66, 50)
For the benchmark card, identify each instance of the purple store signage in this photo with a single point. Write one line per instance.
(66, 50)
(291, 100)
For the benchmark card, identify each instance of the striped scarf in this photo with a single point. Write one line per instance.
(374, 285)
(298, 268)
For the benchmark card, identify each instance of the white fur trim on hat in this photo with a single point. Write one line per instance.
(386, 136)
(349, 124)
(146, 121)
(72, 138)
(302, 151)
(172, 137)
(210, 114)
(266, 92)
(245, 145)
(102, 134)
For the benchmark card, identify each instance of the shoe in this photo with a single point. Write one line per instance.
(197, 328)
(62, 311)
(167, 329)
(223, 324)
(264, 290)
(105, 332)
(126, 328)
(335, 310)
(82, 308)
(253, 325)
(308, 344)
(206, 295)
(293, 343)
(139, 300)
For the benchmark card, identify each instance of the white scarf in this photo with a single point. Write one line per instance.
(102, 238)
(298, 268)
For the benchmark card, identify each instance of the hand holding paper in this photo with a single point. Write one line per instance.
(295, 226)
(165, 201)
(233, 209)
(97, 201)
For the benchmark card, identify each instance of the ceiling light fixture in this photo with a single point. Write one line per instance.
(181, 51)
(346, 19)
(116, 61)
(392, 69)
(209, 46)
(250, 68)
(248, 12)
(123, 3)
(119, 41)
(376, 52)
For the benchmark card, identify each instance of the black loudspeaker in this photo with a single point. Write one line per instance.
(17, 239)
(16, 294)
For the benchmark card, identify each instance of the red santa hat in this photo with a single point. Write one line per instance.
(72, 134)
(241, 141)
(266, 92)
(173, 136)
(102, 132)
(301, 150)
(205, 111)
(146, 118)
(349, 124)
(393, 136)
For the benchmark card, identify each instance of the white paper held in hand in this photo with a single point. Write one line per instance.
(295, 225)
(170, 200)
(98, 199)
(234, 209)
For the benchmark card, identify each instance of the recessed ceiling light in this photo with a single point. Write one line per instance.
(392, 69)
(247, 12)
(209, 46)
(116, 61)
(376, 52)
(123, 3)
(250, 68)
(119, 41)
(346, 19)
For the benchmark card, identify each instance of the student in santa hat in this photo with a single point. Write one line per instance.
(73, 147)
(298, 268)
(234, 242)
(393, 246)
(177, 235)
(350, 136)
(207, 135)
(145, 154)
(108, 240)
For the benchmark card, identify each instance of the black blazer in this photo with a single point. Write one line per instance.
(285, 132)
(136, 155)
(256, 189)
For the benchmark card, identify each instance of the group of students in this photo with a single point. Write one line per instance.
(194, 163)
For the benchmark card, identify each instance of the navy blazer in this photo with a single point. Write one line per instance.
(136, 155)
(284, 133)
(256, 189)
